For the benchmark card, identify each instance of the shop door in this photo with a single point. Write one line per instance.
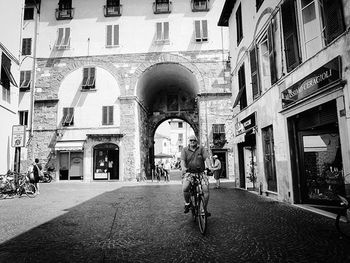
(269, 159)
(250, 167)
(64, 165)
(321, 167)
(76, 166)
(241, 165)
(106, 162)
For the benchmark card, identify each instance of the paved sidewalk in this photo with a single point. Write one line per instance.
(144, 222)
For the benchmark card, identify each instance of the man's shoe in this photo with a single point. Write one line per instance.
(187, 208)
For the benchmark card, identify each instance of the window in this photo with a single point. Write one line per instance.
(65, 10)
(63, 38)
(180, 124)
(6, 78)
(112, 8)
(258, 3)
(266, 61)
(26, 46)
(239, 25)
(68, 117)
(107, 115)
(313, 24)
(88, 78)
(200, 5)
(201, 30)
(28, 13)
(162, 6)
(254, 72)
(219, 137)
(112, 35)
(25, 78)
(162, 32)
(242, 96)
(23, 117)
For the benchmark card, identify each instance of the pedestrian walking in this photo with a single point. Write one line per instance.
(167, 168)
(216, 168)
(37, 171)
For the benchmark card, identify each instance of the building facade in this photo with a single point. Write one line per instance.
(11, 14)
(290, 73)
(108, 73)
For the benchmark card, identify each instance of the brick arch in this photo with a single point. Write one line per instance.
(76, 64)
(170, 58)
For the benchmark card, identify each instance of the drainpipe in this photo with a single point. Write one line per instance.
(31, 122)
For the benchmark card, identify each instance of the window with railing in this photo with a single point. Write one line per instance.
(200, 5)
(219, 137)
(162, 6)
(64, 10)
(112, 8)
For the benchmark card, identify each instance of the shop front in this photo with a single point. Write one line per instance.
(315, 117)
(246, 143)
(106, 162)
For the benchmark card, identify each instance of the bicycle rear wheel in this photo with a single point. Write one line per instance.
(202, 215)
(343, 226)
(30, 190)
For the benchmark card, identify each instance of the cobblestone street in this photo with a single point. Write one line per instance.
(144, 222)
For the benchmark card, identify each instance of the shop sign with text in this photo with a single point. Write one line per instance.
(245, 124)
(316, 81)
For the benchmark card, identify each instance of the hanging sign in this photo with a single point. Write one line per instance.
(18, 135)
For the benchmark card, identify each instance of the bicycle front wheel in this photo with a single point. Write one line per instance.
(30, 190)
(343, 226)
(202, 215)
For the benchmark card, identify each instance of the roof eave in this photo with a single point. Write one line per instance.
(226, 12)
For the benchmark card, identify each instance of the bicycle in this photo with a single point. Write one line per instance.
(8, 188)
(342, 222)
(199, 210)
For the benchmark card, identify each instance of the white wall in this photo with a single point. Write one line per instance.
(137, 27)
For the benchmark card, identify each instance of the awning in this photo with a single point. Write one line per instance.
(238, 97)
(69, 145)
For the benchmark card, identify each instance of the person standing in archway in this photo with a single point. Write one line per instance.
(194, 159)
(216, 170)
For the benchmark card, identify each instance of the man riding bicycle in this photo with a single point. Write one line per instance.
(194, 159)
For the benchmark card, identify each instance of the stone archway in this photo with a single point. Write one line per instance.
(166, 90)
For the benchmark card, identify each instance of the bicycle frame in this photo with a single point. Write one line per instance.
(198, 203)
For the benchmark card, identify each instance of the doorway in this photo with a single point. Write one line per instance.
(223, 159)
(106, 162)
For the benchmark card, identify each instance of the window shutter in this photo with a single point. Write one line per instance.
(110, 120)
(85, 76)
(159, 31)
(239, 24)
(71, 115)
(205, 30)
(241, 79)
(197, 25)
(166, 30)
(290, 35)
(66, 37)
(271, 47)
(60, 36)
(26, 46)
(91, 77)
(21, 78)
(333, 19)
(116, 35)
(254, 72)
(109, 35)
(104, 115)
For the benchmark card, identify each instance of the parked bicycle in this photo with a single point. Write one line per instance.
(342, 221)
(46, 178)
(9, 189)
(199, 210)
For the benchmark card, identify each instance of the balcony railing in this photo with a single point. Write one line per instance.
(62, 14)
(112, 10)
(162, 8)
(200, 6)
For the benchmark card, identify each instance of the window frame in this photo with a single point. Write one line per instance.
(26, 46)
(23, 117)
(239, 24)
(162, 32)
(201, 31)
(114, 28)
(25, 76)
(64, 41)
(68, 116)
(28, 15)
(107, 115)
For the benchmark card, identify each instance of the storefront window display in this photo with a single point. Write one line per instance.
(106, 162)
